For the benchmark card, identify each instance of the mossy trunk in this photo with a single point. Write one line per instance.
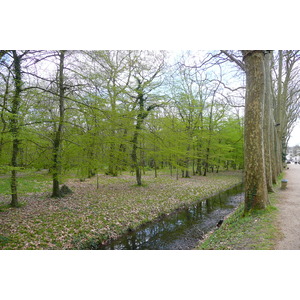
(134, 156)
(14, 124)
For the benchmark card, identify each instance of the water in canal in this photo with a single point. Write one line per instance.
(183, 229)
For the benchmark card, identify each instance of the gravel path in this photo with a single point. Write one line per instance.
(289, 210)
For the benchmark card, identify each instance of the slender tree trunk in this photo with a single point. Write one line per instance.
(134, 156)
(186, 172)
(112, 168)
(256, 195)
(210, 130)
(206, 162)
(267, 121)
(58, 134)
(155, 169)
(274, 135)
(274, 164)
(4, 122)
(112, 163)
(14, 123)
(171, 169)
(279, 114)
(289, 63)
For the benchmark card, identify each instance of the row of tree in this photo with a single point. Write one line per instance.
(130, 110)
(271, 108)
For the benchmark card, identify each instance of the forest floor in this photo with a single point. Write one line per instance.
(91, 215)
(289, 210)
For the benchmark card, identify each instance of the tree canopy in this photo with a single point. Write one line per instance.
(116, 110)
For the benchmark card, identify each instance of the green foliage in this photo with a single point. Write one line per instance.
(183, 119)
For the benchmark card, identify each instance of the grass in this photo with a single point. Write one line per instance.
(90, 216)
(257, 230)
(27, 183)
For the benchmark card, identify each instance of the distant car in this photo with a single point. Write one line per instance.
(288, 162)
(296, 162)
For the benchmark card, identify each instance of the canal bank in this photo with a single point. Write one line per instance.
(183, 228)
(256, 231)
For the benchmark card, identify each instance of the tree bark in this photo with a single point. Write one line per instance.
(140, 119)
(210, 131)
(278, 114)
(267, 121)
(58, 134)
(3, 120)
(256, 195)
(141, 116)
(134, 155)
(14, 123)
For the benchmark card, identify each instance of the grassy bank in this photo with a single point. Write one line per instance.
(256, 231)
(90, 215)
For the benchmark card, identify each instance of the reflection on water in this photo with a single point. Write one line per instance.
(183, 229)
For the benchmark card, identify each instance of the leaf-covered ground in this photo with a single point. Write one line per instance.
(90, 215)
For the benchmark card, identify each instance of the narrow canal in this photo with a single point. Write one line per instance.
(183, 229)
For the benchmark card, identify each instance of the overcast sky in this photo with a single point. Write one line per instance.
(295, 136)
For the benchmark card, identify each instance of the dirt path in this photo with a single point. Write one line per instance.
(289, 210)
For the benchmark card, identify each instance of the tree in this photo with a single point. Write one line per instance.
(110, 81)
(268, 119)
(143, 112)
(286, 99)
(59, 130)
(147, 72)
(12, 61)
(14, 125)
(256, 194)
(5, 91)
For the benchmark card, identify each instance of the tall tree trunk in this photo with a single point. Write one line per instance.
(14, 123)
(210, 129)
(274, 164)
(135, 158)
(187, 163)
(113, 159)
(3, 120)
(278, 115)
(142, 115)
(112, 164)
(267, 121)
(206, 160)
(256, 195)
(58, 134)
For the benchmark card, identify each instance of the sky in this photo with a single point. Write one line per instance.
(295, 136)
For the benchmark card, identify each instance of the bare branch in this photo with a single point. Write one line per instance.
(234, 59)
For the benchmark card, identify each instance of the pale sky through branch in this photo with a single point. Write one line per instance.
(295, 136)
